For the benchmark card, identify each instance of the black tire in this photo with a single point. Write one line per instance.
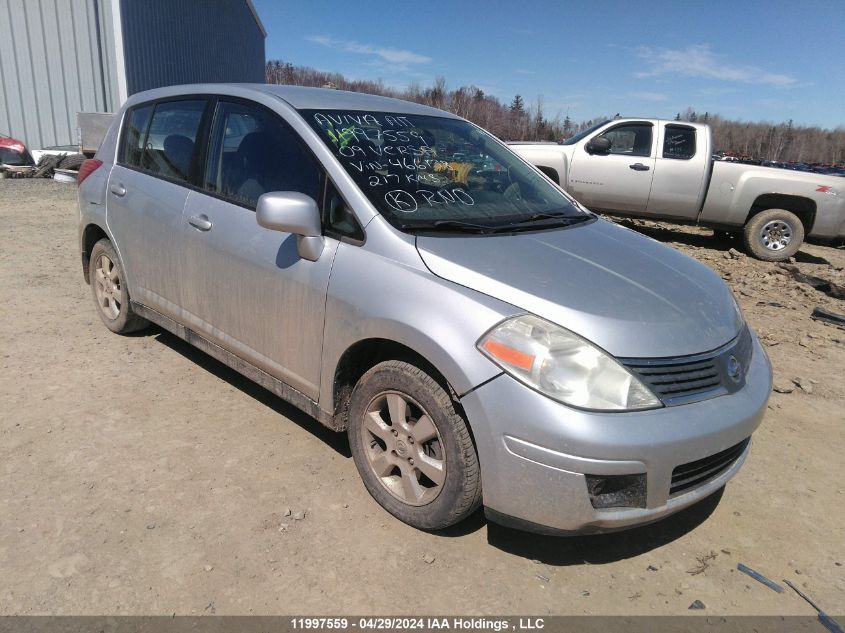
(124, 320)
(460, 493)
(785, 223)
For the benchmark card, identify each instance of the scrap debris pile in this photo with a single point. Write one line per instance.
(47, 166)
(16, 161)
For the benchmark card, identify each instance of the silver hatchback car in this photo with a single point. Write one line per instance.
(397, 272)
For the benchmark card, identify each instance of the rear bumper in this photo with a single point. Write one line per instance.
(536, 454)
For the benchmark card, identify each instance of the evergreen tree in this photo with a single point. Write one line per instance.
(567, 127)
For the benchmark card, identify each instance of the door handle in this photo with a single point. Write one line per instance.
(639, 167)
(118, 190)
(200, 221)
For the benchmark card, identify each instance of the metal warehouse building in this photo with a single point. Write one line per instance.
(60, 57)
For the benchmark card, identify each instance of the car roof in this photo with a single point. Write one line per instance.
(299, 97)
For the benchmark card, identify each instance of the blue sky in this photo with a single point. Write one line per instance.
(762, 60)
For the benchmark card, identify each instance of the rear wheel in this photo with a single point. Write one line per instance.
(412, 448)
(773, 235)
(108, 285)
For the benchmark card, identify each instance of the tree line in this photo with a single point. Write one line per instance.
(517, 120)
(785, 142)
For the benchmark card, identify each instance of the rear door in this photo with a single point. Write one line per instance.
(680, 174)
(245, 287)
(147, 193)
(619, 180)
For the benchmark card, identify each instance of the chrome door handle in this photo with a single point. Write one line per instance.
(639, 167)
(118, 190)
(200, 221)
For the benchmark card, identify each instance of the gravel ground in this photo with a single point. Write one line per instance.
(138, 476)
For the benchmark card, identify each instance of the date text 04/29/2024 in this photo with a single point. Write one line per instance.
(418, 624)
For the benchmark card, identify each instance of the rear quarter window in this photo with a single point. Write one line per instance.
(134, 136)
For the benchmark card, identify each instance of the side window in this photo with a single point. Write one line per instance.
(169, 148)
(253, 152)
(338, 218)
(631, 139)
(134, 135)
(679, 142)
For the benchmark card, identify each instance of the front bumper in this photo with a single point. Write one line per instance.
(536, 453)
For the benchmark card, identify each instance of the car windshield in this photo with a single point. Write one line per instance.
(439, 173)
(574, 139)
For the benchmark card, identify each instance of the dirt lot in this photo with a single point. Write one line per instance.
(138, 476)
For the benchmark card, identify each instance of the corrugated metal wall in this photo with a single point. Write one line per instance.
(60, 57)
(168, 42)
(54, 63)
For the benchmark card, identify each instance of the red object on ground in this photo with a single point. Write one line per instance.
(86, 169)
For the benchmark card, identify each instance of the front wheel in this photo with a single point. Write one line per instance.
(773, 235)
(412, 448)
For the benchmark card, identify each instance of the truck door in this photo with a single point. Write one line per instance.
(680, 174)
(620, 178)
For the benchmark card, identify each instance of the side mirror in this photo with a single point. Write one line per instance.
(293, 212)
(599, 145)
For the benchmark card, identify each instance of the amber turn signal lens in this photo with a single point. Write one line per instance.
(509, 355)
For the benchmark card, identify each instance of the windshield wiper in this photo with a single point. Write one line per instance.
(532, 220)
(536, 220)
(450, 225)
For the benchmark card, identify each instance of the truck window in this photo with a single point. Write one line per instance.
(253, 152)
(630, 139)
(679, 142)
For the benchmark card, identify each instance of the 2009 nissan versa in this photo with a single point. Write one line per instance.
(398, 273)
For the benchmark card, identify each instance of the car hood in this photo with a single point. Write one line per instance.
(627, 293)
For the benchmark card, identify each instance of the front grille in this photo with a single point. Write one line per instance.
(687, 476)
(692, 378)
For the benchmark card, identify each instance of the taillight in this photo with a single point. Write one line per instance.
(86, 169)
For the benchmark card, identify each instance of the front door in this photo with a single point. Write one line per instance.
(244, 286)
(619, 180)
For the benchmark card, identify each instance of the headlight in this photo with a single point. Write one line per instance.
(564, 366)
(738, 308)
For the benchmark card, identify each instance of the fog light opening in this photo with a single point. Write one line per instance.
(617, 491)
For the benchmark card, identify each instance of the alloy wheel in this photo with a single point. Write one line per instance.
(403, 448)
(107, 287)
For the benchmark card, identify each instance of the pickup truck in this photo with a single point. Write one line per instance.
(664, 169)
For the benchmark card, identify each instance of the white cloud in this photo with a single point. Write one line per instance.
(698, 60)
(648, 96)
(400, 58)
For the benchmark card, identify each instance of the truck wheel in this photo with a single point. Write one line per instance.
(412, 448)
(108, 285)
(773, 235)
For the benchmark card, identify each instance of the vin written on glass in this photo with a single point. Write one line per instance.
(422, 170)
